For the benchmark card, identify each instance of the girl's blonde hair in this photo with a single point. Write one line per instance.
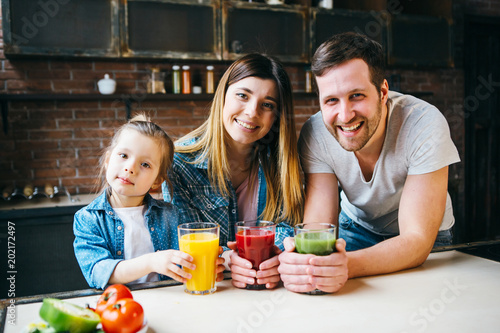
(143, 125)
(277, 151)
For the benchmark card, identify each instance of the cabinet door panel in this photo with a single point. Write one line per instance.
(279, 31)
(171, 29)
(419, 41)
(326, 23)
(75, 28)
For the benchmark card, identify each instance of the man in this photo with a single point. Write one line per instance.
(389, 154)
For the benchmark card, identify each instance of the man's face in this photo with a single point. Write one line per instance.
(351, 105)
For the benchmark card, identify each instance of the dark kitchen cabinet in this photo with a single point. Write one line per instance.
(325, 23)
(62, 27)
(171, 29)
(411, 39)
(40, 243)
(278, 30)
(225, 29)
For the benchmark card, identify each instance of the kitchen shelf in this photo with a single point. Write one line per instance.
(127, 99)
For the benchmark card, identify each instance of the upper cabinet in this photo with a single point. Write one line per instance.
(225, 29)
(280, 30)
(325, 23)
(183, 29)
(416, 33)
(62, 27)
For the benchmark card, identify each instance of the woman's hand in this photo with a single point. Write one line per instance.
(243, 274)
(306, 272)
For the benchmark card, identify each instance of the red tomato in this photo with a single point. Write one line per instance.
(112, 294)
(125, 316)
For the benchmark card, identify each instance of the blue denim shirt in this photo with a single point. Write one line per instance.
(199, 201)
(99, 236)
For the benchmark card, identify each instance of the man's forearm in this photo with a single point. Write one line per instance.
(392, 255)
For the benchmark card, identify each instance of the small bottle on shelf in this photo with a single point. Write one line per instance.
(210, 80)
(186, 80)
(176, 79)
(156, 83)
(308, 86)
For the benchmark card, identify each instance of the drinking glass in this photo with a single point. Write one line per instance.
(315, 238)
(254, 241)
(201, 241)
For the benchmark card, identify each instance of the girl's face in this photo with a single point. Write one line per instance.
(132, 168)
(249, 110)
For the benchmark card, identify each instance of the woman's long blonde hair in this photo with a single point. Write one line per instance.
(277, 151)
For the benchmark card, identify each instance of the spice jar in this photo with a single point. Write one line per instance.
(186, 80)
(210, 80)
(308, 80)
(156, 82)
(176, 79)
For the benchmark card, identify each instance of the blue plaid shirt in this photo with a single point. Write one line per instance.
(199, 201)
(99, 236)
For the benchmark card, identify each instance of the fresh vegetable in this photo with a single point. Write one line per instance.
(125, 316)
(38, 328)
(63, 316)
(111, 295)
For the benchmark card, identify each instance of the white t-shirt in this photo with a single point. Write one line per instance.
(417, 141)
(137, 239)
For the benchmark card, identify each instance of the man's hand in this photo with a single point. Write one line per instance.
(306, 272)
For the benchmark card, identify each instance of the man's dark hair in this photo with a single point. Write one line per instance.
(346, 46)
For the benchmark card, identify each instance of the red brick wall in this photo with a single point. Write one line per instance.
(60, 141)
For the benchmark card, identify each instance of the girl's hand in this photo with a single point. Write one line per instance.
(243, 274)
(165, 262)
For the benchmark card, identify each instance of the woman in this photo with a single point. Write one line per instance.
(242, 163)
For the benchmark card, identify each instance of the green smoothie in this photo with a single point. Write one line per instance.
(318, 243)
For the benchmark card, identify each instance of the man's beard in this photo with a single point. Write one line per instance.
(357, 142)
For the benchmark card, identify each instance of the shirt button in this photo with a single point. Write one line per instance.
(152, 229)
(209, 206)
(234, 211)
(119, 227)
(110, 213)
(119, 253)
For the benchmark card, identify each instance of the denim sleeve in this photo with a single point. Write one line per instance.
(91, 249)
(283, 230)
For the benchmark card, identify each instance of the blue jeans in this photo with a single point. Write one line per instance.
(358, 238)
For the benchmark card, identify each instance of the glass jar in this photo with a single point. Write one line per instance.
(186, 80)
(156, 84)
(210, 80)
(176, 79)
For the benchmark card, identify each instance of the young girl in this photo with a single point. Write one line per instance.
(125, 235)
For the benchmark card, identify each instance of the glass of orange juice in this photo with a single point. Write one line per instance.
(201, 241)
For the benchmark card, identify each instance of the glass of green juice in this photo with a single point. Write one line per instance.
(315, 238)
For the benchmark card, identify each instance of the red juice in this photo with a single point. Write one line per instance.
(255, 245)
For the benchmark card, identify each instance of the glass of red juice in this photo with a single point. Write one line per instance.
(315, 238)
(254, 241)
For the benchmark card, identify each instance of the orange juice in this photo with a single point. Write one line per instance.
(204, 248)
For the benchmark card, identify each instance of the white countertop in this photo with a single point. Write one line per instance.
(451, 292)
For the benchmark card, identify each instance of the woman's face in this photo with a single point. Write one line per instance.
(249, 110)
